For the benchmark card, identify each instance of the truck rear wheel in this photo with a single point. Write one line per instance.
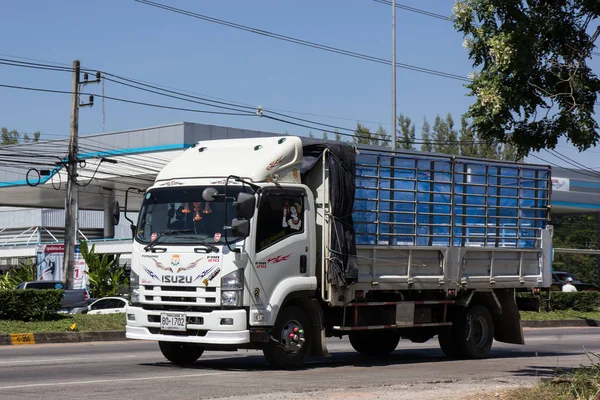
(374, 343)
(471, 335)
(290, 346)
(180, 353)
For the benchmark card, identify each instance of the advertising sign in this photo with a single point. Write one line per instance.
(561, 184)
(50, 259)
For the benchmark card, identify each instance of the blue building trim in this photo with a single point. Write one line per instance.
(576, 205)
(107, 153)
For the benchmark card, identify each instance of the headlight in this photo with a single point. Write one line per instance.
(231, 288)
(231, 298)
(233, 281)
(134, 287)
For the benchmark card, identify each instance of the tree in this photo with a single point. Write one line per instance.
(534, 84)
(383, 137)
(14, 137)
(468, 145)
(576, 232)
(325, 136)
(509, 152)
(362, 135)
(440, 135)
(338, 136)
(426, 136)
(310, 134)
(452, 145)
(407, 132)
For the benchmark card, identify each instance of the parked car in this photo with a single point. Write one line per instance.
(108, 305)
(559, 278)
(74, 300)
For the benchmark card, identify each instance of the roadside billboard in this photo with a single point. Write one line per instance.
(50, 259)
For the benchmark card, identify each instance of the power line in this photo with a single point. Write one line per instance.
(126, 101)
(302, 42)
(432, 14)
(415, 10)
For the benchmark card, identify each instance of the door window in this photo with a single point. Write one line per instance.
(280, 214)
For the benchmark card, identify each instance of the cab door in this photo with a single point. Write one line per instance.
(281, 247)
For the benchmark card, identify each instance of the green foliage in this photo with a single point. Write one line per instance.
(338, 136)
(324, 136)
(105, 277)
(30, 304)
(362, 135)
(63, 323)
(576, 232)
(14, 137)
(577, 301)
(534, 85)
(407, 132)
(25, 273)
(382, 137)
(426, 136)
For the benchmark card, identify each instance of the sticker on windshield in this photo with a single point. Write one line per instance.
(291, 216)
(217, 237)
(153, 237)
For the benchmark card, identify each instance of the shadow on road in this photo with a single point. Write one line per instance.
(256, 362)
(544, 371)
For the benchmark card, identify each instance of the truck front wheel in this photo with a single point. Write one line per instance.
(290, 339)
(471, 335)
(374, 343)
(180, 353)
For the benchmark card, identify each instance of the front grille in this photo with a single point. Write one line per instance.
(175, 288)
(184, 295)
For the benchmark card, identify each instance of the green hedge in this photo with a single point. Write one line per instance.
(578, 301)
(559, 301)
(30, 304)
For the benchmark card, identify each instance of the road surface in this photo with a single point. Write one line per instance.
(137, 370)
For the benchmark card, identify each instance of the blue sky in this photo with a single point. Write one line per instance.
(152, 45)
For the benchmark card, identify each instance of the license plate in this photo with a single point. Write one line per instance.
(172, 322)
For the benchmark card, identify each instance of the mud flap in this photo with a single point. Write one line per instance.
(318, 346)
(507, 320)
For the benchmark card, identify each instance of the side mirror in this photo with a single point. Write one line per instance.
(116, 212)
(210, 194)
(240, 227)
(245, 205)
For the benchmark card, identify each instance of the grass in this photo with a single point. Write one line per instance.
(582, 384)
(559, 315)
(63, 323)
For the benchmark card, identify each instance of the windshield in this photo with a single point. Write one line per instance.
(183, 209)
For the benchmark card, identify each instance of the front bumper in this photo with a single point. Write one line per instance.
(209, 332)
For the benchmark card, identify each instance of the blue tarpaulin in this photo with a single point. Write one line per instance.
(435, 200)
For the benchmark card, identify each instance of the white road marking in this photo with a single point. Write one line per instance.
(38, 360)
(111, 381)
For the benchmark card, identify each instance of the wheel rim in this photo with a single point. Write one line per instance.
(477, 332)
(292, 337)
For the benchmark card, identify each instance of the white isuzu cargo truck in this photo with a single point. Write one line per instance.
(278, 243)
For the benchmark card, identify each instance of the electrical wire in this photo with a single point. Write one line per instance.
(432, 14)
(124, 100)
(302, 42)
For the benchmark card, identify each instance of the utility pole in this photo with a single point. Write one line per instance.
(71, 206)
(72, 199)
(393, 75)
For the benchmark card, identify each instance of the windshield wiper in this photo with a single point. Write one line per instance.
(166, 233)
(211, 246)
